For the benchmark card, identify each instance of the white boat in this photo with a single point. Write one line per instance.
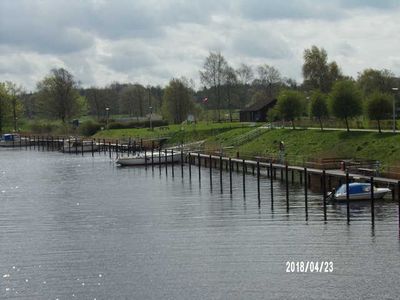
(76, 145)
(13, 140)
(145, 158)
(358, 191)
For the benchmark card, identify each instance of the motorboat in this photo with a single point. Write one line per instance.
(13, 140)
(146, 158)
(358, 191)
(78, 146)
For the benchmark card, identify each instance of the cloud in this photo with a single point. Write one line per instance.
(151, 41)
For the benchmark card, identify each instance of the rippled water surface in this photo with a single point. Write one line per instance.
(74, 227)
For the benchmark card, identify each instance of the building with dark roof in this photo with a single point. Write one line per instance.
(257, 112)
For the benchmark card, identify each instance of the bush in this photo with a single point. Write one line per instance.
(136, 124)
(43, 127)
(89, 128)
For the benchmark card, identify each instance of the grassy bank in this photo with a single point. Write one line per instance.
(176, 134)
(300, 145)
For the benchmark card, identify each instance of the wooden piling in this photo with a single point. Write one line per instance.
(210, 170)
(190, 166)
(166, 162)
(287, 186)
(230, 175)
(220, 173)
(347, 197)
(244, 177)
(372, 201)
(306, 192)
(324, 193)
(271, 180)
(199, 165)
(258, 184)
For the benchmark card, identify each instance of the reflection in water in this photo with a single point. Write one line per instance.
(79, 227)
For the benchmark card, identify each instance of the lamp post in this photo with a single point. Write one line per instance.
(107, 116)
(151, 113)
(394, 89)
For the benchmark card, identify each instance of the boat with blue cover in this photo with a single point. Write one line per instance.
(358, 191)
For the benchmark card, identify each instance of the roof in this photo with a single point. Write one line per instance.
(259, 105)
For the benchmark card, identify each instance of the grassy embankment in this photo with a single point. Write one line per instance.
(301, 145)
(176, 134)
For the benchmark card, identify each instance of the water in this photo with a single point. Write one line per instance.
(75, 227)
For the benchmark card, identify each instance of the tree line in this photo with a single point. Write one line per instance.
(324, 92)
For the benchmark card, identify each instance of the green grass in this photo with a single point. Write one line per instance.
(301, 145)
(176, 133)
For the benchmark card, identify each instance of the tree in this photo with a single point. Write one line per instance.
(319, 107)
(269, 78)
(213, 77)
(371, 80)
(14, 93)
(133, 99)
(317, 72)
(230, 83)
(244, 74)
(379, 107)
(346, 101)
(59, 96)
(4, 105)
(290, 105)
(177, 102)
(97, 100)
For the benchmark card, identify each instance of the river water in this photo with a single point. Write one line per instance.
(74, 227)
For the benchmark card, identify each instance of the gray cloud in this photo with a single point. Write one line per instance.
(102, 41)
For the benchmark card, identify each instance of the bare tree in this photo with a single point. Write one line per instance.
(230, 83)
(245, 74)
(269, 78)
(213, 77)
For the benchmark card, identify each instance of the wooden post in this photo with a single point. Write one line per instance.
(306, 192)
(347, 197)
(258, 184)
(199, 165)
(372, 201)
(190, 166)
(324, 192)
(244, 177)
(287, 187)
(159, 158)
(172, 163)
(145, 160)
(230, 175)
(182, 163)
(76, 146)
(271, 178)
(220, 173)
(210, 167)
(109, 148)
(92, 148)
(82, 146)
(166, 161)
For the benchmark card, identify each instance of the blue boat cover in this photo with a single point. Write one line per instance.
(355, 188)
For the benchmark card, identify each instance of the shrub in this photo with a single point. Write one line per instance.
(89, 128)
(136, 124)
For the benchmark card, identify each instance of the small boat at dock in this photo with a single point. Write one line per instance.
(13, 140)
(358, 191)
(75, 145)
(145, 158)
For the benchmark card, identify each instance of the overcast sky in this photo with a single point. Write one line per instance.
(151, 41)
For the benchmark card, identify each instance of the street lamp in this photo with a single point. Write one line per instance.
(151, 112)
(394, 89)
(107, 116)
